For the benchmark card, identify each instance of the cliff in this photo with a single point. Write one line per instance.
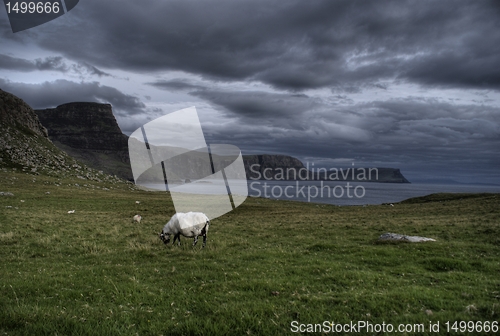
(24, 144)
(283, 167)
(267, 166)
(89, 132)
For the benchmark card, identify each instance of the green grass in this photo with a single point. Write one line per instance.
(266, 264)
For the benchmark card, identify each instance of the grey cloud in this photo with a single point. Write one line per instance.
(51, 94)
(463, 70)
(346, 47)
(176, 85)
(415, 134)
(421, 125)
(295, 44)
(84, 68)
(401, 126)
(17, 64)
(57, 63)
(52, 63)
(258, 106)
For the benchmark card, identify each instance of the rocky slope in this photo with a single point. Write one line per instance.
(24, 145)
(14, 112)
(89, 132)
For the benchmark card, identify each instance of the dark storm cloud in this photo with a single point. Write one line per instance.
(253, 106)
(57, 63)
(83, 68)
(426, 124)
(279, 50)
(176, 85)
(407, 128)
(260, 106)
(17, 64)
(43, 64)
(465, 70)
(294, 44)
(51, 94)
(425, 135)
(52, 63)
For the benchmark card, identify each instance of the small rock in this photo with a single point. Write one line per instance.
(470, 308)
(399, 237)
(7, 193)
(428, 312)
(275, 293)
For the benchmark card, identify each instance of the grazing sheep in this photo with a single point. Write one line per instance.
(137, 218)
(71, 211)
(190, 225)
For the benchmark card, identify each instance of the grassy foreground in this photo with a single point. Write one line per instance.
(266, 264)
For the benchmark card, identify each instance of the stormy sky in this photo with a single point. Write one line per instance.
(413, 85)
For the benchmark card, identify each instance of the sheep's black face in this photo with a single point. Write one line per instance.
(165, 237)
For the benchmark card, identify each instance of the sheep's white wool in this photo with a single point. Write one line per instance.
(137, 218)
(71, 211)
(190, 224)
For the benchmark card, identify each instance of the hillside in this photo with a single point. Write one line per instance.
(25, 146)
(89, 132)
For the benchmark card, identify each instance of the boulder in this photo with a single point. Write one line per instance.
(399, 237)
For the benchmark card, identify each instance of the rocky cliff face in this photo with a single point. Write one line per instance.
(24, 144)
(268, 166)
(391, 175)
(283, 167)
(14, 112)
(89, 132)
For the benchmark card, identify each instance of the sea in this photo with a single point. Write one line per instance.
(340, 193)
(355, 193)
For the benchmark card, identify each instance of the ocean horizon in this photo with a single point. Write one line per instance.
(345, 192)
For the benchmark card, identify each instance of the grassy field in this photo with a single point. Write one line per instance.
(266, 264)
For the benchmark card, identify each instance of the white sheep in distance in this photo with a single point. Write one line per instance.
(137, 218)
(190, 225)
